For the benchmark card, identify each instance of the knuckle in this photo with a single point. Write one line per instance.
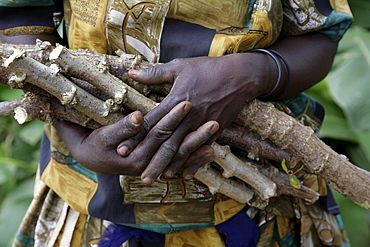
(176, 61)
(151, 71)
(104, 139)
(125, 124)
(161, 133)
(135, 168)
(184, 151)
(146, 125)
(169, 148)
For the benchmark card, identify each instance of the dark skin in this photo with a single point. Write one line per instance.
(217, 89)
(97, 150)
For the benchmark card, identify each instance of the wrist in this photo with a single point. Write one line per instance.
(274, 87)
(254, 73)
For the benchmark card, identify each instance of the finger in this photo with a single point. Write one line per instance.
(70, 133)
(163, 73)
(199, 158)
(169, 148)
(191, 143)
(159, 133)
(163, 156)
(196, 139)
(150, 120)
(127, 127)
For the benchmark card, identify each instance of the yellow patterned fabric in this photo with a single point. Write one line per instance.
(205, 237)
(27, 30)
(136, 27)
(86, 25)
(78, 191)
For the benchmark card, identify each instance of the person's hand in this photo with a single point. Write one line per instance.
(97, 150)
(217, 88)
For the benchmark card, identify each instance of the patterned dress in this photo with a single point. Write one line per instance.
(74, 206)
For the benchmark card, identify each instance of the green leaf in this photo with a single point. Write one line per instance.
(358, 156)
(284, 166)
(294, 181)
(336, 127)
(31, 132)
(16, 163)
(360, 10)
(13, 209)
(354, 218)
(9, 94)
(364, 141)
(335, 124)
(349, 83)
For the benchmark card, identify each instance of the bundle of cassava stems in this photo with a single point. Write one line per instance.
(91, 90)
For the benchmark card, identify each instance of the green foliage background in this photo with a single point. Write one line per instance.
(344, 94)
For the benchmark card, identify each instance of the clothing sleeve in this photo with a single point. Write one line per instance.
(329, 17)
(28, 17)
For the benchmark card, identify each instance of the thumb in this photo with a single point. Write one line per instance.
(158, 74)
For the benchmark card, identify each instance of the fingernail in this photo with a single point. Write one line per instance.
(187, 107)
(147, 180)
(168, 174)
(133, 72)
(214, 128)
(123, 151)
(188, 176)
(135, 118)
(208, 158)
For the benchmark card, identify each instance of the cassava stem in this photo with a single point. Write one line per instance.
(288, 134)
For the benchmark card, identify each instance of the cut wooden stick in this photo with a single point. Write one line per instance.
(249, 141)
(45, 109)
(7, 107)
(81, 69)
(287, 133)
(25, 67)
(59, 86)
(102, 79)
(282, 181)
(229, 187)
(234, 167)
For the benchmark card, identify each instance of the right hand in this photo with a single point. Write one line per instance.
(97, 150)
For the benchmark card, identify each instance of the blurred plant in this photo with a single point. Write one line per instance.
(19, 149)
(344, 94)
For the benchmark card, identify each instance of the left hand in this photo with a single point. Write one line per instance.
(217, 89)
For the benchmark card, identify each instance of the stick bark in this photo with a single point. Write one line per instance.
(284, 132)
(288, 134)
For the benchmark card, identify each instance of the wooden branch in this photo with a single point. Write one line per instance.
(282, 181)
(81, 69)
(234, 167)
(287, 134)
(59, 86)
(7, 107)
(45, 109)
(229, 187)
(249, 141)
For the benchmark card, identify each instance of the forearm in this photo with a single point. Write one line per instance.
(310, 58)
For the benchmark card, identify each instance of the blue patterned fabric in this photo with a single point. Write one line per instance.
(116, 235)
(240, 231)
